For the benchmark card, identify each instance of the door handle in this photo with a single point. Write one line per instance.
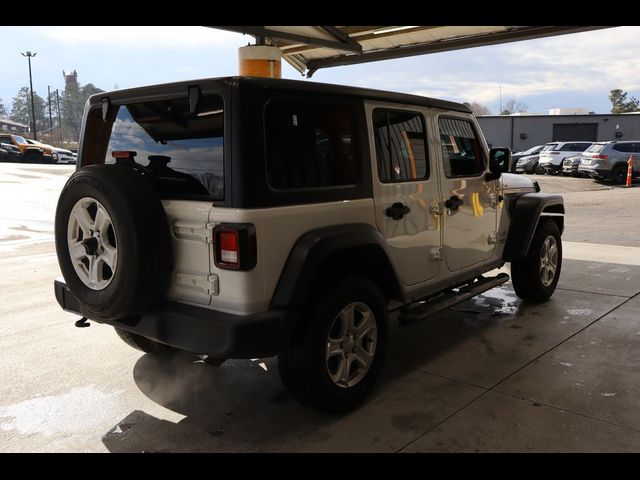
(453, 204)
(397, 211)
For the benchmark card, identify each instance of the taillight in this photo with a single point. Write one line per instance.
(235, 246)
(553, 153)
(600, 157)
(229, 251)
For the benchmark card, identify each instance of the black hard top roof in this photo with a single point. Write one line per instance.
(281, 84)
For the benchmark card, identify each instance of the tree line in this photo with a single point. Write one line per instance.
(66, 119)
(617, 97)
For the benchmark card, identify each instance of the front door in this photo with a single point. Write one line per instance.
(469, 200)
(405, 189)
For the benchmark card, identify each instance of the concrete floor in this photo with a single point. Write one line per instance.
(492, 374)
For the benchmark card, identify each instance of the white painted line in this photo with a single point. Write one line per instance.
(597, 252)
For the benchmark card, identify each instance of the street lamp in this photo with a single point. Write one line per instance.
(33, 108)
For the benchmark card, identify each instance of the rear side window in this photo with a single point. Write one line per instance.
(626, 147)
(595, 148)
(310, 145)
(401, 150)
(183, 151)
(461, 151)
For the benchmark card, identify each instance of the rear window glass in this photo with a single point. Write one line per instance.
(548, 148)
(182, 150)
(310, 145)
(595, 148)
(400, 145)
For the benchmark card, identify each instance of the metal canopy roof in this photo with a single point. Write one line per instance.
(308, 48)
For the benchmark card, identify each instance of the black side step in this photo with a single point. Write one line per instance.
(425, 308)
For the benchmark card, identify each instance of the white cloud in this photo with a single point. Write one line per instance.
(590, 63)
(145, 36)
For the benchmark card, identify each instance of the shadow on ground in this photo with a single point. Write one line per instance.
(242, 404)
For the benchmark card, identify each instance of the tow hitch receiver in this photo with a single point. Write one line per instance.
(82, 323)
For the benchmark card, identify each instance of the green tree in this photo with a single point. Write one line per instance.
(21, 108)
(72, 102)
(3, 110)
(620, 104)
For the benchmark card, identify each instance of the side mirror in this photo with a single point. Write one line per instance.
(499, 162)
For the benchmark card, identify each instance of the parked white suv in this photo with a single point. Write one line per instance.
(551, 158)
(245, 217)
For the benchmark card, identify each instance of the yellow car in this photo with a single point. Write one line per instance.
(30, 152)
(47, 150)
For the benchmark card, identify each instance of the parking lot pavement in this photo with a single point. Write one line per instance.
(490, 374)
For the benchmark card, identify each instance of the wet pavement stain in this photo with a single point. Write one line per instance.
(13, 237)
(409, 422)
(60, 414)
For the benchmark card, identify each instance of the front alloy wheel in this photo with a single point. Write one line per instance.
(536, 276)
(548, 260)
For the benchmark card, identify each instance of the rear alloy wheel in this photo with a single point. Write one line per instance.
(351, 345)
(336, 356)
(539, 169)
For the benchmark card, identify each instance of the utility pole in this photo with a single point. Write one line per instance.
(33, 108)
(49, 102)
(59, 119)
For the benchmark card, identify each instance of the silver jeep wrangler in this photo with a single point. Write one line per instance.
(249, 217)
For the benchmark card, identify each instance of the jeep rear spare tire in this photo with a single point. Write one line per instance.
(112, 241)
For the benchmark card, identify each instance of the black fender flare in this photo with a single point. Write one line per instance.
(525, 213)
(312, 249)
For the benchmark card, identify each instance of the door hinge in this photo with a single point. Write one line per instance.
(213, 285)
(204, 283)
(208, 232)
(436, 253)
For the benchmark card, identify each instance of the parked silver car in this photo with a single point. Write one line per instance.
(608, 160)
(529, 163)
(570, 166)
(551, 159)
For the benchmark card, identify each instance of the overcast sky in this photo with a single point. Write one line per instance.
(575, 70)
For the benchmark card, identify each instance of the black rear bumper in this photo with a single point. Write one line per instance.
(201, 330)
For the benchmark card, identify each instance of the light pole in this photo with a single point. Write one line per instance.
(33, 108)
(49, 103)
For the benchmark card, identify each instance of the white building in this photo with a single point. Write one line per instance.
(568, 111)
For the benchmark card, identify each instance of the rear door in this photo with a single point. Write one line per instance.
(625, 150)
(405, 188)
(469, 201)
(182, 151)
